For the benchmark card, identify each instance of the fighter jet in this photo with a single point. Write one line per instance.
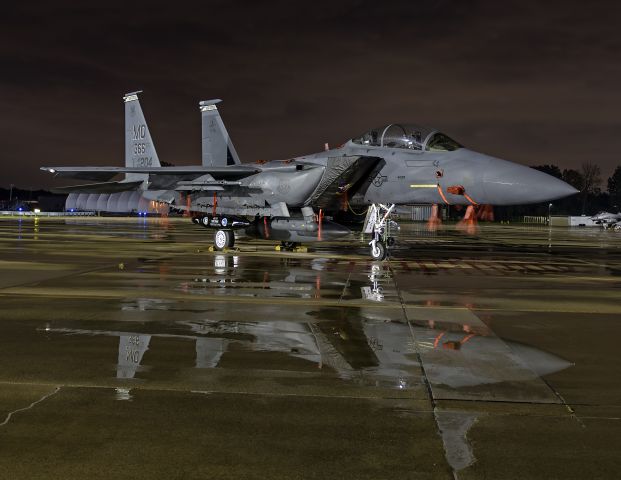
(294, 200)
(608, 220)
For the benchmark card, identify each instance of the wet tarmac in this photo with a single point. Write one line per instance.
(127, 349)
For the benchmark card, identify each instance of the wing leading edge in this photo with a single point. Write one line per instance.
(107, 173)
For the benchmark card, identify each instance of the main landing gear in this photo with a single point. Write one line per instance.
(379, 226)
(224, 236)
(224, 239)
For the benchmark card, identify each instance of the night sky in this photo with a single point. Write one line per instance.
(532, 82)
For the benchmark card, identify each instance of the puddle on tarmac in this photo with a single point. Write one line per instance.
(454, 427)
(293, 278)
(461, 358)
(374, 340)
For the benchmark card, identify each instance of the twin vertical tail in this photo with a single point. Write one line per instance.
(218, 149)
(139, 147)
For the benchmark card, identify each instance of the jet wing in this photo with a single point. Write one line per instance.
(102, 187)
(107, 173)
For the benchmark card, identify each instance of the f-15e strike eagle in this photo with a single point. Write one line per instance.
(287, 200)
(608, 220)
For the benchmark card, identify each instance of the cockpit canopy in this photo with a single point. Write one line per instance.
(411, 137)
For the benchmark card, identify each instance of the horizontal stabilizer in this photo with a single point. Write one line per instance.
(103, 187)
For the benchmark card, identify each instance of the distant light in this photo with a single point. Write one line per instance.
(52, 170)
(19, 209)
(37, 210)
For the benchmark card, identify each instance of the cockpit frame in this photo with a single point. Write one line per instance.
(408, 137)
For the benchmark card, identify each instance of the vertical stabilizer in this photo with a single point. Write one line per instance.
(139, 147)
(131, 350)
(218, 149)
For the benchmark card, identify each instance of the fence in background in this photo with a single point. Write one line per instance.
(536, 220)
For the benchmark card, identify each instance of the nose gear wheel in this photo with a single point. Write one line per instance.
(378, 251)
(378, 225)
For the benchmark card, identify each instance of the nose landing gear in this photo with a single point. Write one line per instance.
(378, 250)
(378, 224)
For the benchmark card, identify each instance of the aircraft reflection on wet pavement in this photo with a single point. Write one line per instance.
(297, 281)
(458, 355)
(364, 346)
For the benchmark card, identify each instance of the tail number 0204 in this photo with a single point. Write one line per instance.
(143, 162)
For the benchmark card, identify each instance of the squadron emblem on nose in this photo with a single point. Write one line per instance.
(379, 180)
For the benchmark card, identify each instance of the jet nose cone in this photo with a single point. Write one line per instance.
(540, 362)
(507, 183)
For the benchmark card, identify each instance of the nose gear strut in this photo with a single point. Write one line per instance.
(378, 225)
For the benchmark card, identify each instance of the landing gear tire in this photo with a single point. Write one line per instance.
(224, 239)
(378, 251)
(378, 224)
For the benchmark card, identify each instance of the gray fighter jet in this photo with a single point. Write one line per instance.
(608, 220)
(293, 200)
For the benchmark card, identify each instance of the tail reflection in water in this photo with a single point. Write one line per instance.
(353, 344)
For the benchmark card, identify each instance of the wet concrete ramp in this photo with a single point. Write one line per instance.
(463, 359)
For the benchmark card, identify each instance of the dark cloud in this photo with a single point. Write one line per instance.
(535, 82)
